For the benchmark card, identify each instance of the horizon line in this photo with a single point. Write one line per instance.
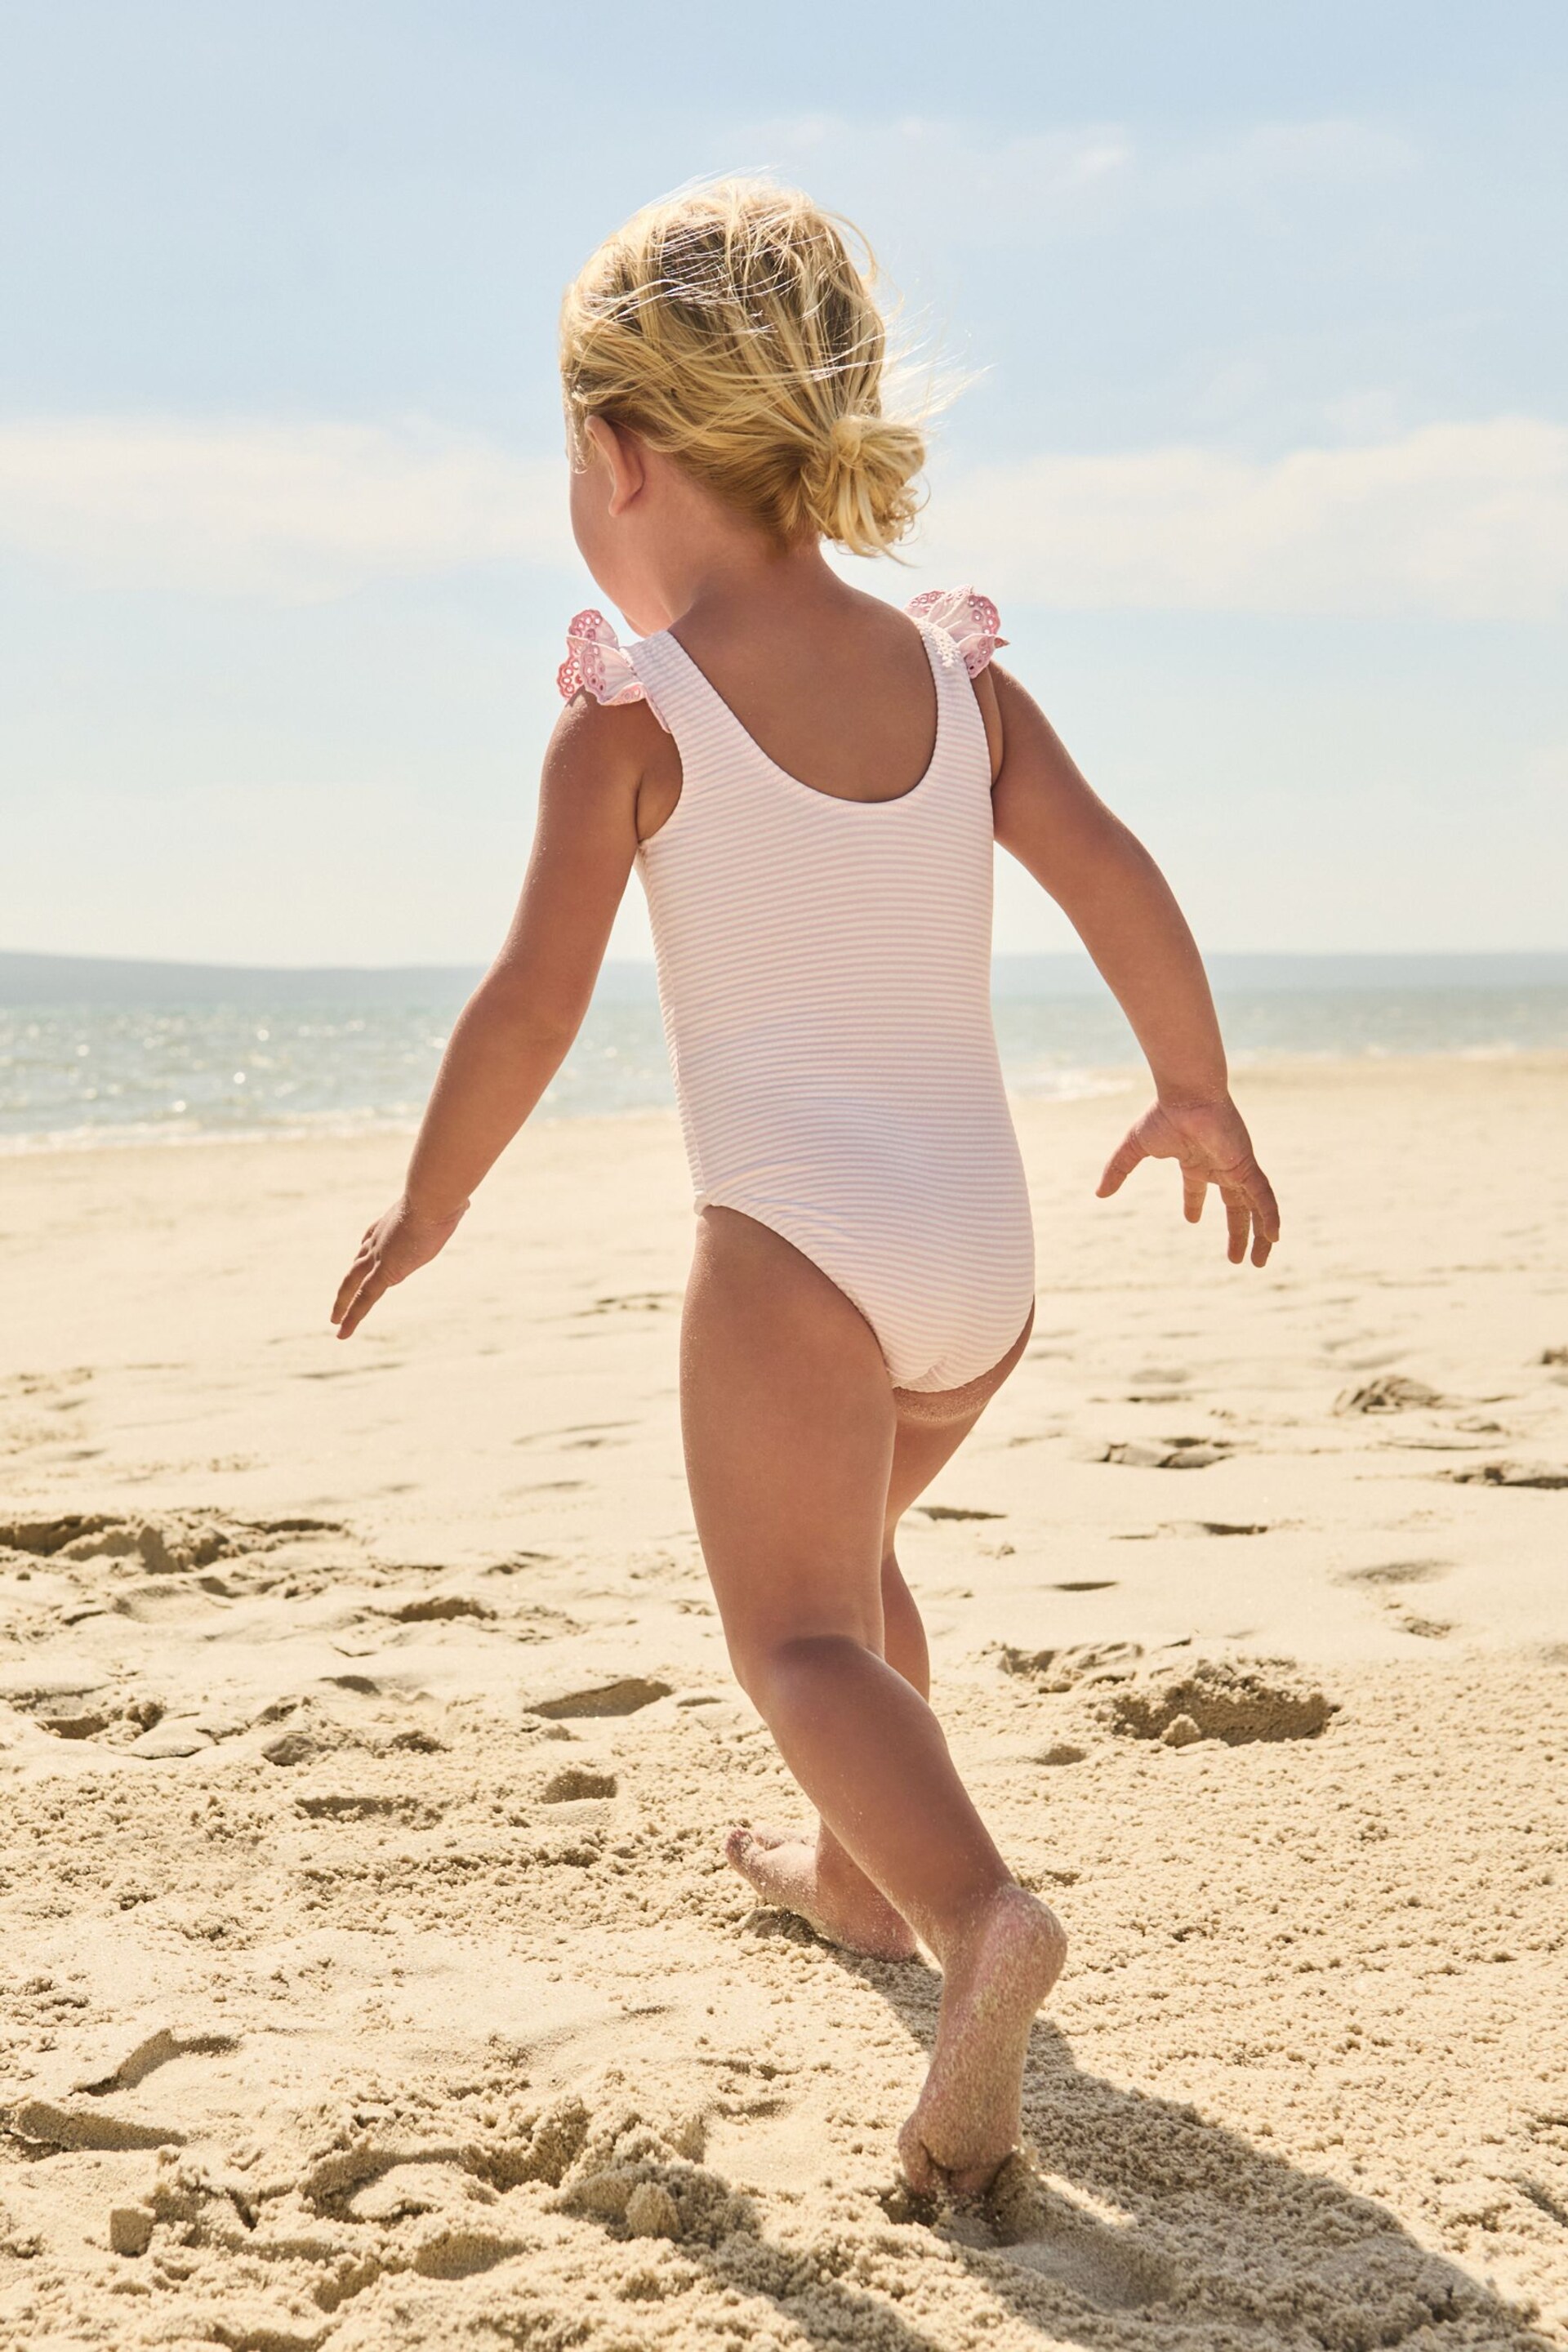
(645, 962)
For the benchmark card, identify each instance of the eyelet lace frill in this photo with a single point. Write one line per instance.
(598, 664)
(972, 621)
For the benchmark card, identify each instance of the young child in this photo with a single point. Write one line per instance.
(809, 781)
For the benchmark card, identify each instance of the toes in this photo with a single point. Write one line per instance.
(974, 2179)
(738, 1848)
(930, 2179)
(915, 2162)
(757, 1837)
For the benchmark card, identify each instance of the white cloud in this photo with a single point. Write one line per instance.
(1463, 521)
(944, 182)
(951, 183)
(1468, 520)
(1336, 150)
(286, 512)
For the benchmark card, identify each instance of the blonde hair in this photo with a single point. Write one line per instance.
(732, 328)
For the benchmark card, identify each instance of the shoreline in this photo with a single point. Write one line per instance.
(1088, 1083)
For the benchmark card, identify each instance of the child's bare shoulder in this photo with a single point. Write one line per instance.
(612, 762)
(605, 739)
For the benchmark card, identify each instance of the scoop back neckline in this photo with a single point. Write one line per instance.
(837, 800)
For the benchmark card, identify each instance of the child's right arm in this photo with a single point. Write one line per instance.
(514, 1032)
(1124, 911)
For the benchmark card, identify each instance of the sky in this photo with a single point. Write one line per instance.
(1260, 441)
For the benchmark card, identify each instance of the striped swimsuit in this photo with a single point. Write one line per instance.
(824, 974)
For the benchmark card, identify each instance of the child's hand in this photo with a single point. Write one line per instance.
(395, 1246)
(1211, 1141)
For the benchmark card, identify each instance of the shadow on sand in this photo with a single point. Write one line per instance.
(1156, 2228)
(1219, 2241)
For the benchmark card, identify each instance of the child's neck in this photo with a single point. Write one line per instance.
(743, 576)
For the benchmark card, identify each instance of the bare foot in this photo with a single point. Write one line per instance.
(966, 2124)
(823, 1888)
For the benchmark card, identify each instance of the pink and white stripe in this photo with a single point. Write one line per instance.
(824, 971)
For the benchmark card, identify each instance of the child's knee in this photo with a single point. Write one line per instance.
(789, 1674)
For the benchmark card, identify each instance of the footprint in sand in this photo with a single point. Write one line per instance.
(43, 2126)
(173, 1540)
(1215, 1700)
(577, 1781)
(349, 1805)
(438, 1607)
(1157, 1453)
(625, 1695)
(1390, 1392)
(171, 1547)
(165, 1601)
(1101, 2265)
(85, 1706)
(80, 2120)
(1159, 1384)
(634, 1302)
(309, 1733)
(1215, 1528)
(1077, 1663)
(1030, 2226)
(955, 1511)
(71, 1706)
(1546, 1474)
(1395, 1572)
(150, 2052)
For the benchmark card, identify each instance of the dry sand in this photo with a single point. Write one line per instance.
(369, 1975)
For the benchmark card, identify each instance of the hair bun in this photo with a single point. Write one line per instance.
(847, 439)
(861, 490)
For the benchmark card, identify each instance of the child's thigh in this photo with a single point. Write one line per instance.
(788, 1420)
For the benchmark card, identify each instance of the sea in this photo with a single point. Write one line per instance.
(95, 1051)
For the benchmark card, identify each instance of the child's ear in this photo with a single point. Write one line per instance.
(622, 453)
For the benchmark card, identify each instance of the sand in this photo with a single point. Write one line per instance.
(369, 1975)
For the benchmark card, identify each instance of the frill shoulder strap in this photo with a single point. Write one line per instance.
(598, 664)
(971, 620)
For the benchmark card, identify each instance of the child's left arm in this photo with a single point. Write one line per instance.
(1126, 914)
(514, 1032)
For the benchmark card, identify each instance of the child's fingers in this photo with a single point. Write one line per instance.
(1265, 1212)
(1195, 1188)
(363, 1299)
(1264, 1207)
(348, 1285)
(362, 1258)
(365, 1258)
(1119, 1166)
(1239, 1225)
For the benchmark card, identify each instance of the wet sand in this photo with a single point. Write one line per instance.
(370, 1975)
